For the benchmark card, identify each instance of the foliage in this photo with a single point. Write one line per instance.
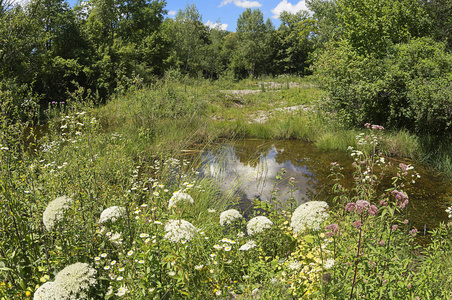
(409, 88)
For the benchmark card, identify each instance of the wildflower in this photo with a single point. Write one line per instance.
(122, 291)
(144, 235)
(119, 278)
(329, 263)
(121, 269)
(294, 265)
(73, 282)
(258, 224)
(357, 224)
(218, 247)
(332, 230)
(116, 237)
(381, 243)
(171, 273)
(55, 211)
(213, 255)
(247, 246)
(177, 230)
(113, 262)
(157, 222)
(413, 232)
(309, 215)
(199, 267)
(179, 197)
(111, 214)
(103, 255)
(228, 216)
(130, 253)
(107, 268)
(211, 210)
(240, 234)
(227, 248)
(141, 261)
(45, 292)
(362, 206)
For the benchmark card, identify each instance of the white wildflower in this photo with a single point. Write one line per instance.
(309, 215)
(294, 265)
(178, 230)
(55, 211)
(181, 197)
(122, 291)
(329, 263)
(45, 292)
(111, 214)
(247, 246)
(228, 216)
(257, 224)
(74, 281)
(199, 267)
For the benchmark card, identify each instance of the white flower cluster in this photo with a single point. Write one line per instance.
(257, 224)
(179, 230)
(228, 216)
(329, 263)
(449, 212)
(309, 215)
(55, 211)
(71, 283)
(248, 245)
(179, 196)
(111, 214)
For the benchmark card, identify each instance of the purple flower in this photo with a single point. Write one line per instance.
(362, 206)
(394, 227)
(373, 210)
(62, 102)
(405, 221)
(357, 224)
(413, 232)
(367, 125)
(350, 206)
(53, 102)
(381, 243)
(377, 127)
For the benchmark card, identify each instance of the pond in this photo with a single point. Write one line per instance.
(253, 169)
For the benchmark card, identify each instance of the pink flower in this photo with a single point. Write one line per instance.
(413, 232)
(350, 206)
(394, 227)
(373, 210)
(405, 221)
(357, 224)
(381, 243)
(367, 125)
(362, 206)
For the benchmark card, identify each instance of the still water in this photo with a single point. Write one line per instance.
(252, 168)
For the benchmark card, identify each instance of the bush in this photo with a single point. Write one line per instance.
(408, 88)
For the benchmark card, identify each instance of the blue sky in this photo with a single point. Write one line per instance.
(227, 11)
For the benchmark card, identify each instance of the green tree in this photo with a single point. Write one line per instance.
(370, 26)
(253, 38)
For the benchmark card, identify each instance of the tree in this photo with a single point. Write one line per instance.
(253, 37)
(371, 26)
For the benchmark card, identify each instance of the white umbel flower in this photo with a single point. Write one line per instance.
(329, 263)
(55, 211)
(228, 216)
(45, 292)
(309, 215)
(247, 246)
(180, 197)
(73, 282)
(257, 224)
(112, 214)
(178, 230)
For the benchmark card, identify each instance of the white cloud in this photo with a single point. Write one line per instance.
(172, 13)
(242, 3)
(289, 7)
(216, 25)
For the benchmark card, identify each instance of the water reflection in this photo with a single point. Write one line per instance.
(249, 168)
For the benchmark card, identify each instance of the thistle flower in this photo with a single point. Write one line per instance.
(228, 216)
(309, 215)
(111, 214)
(258, 224)
(179, 196)
(55, 211)
(178, 230)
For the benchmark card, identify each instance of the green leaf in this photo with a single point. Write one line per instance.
(309, 239)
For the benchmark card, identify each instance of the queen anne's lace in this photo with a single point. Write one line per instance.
(178, 230)
(228, 216)
(71, 283)
(257, 224)
(248, 245)
(309, 215)
(180, 197)
(112, 214)
(55, 211)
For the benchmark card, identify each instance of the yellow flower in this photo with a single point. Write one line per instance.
(27, 294)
